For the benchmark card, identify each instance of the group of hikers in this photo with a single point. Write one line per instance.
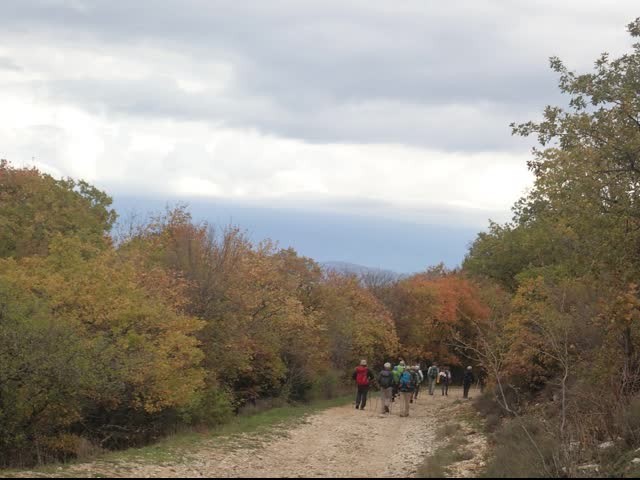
(403, 381)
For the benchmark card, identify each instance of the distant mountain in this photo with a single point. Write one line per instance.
(359, 270)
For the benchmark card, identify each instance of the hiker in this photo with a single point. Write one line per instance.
(397, 372)
(420, 379)
(386, 383)
(445, 381)
(482, 380)
(407, 386)
(432, 375)
(363, 377)
(468, 381)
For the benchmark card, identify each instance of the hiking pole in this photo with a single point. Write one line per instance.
(375, 409)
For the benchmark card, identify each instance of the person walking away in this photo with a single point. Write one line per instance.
(482, 380)
(442, 380)
(468, 381)
(363, 377)
(397, 372)
(419, 380)
(407, 386)
(386, 383)
(445, 381)
(432, 375)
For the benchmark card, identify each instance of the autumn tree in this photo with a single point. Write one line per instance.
(432, 308)
(261, 335)
(570, 258)
(142, 353)
(43, 371)
(357, 325)
(35, 207)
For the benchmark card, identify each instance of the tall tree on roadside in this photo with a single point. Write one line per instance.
(35, 207)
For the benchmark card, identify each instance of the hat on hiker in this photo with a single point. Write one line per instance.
(387, 366)
(469, 368)
(363, 363)
(402, 363)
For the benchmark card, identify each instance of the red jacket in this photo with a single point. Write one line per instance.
(362, 376)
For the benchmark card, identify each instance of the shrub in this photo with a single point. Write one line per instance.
(492, 422)
(518, 456)
(492, 412)
(85, 349)
(328, 387)
(262, 405)
(631, 423)
(453, 451)
(487, 405)
(41, 373)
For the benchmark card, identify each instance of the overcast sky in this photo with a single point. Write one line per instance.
(373, 108)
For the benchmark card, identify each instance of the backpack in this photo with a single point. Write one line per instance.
(397, 372)
(433, 372)
(386, 379)
(407, 381)
(362, 376)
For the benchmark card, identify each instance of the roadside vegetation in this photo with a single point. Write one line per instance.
(454, 450)
(241, 430)
(460, 447)
(112, 338)
(563, 348)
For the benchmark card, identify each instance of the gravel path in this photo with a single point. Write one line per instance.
(339, 442)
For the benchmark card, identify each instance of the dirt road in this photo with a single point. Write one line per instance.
(339, 442)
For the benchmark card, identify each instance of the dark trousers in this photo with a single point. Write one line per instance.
(467, 387)
(417, 391)
(361, 397)
(445, 388)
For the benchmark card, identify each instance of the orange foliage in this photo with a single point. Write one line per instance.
(430, 309)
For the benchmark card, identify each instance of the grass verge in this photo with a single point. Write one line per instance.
(175, 448)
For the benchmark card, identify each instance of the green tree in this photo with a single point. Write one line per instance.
(35, 207)
(43, 371)
(357, 325)
(588, 171)
(144, 357)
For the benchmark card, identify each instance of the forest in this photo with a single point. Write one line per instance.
(115, 340)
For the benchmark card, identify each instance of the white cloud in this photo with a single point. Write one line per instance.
(367, 106)
(174, 158)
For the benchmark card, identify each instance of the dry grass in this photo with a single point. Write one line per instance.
(454, 450)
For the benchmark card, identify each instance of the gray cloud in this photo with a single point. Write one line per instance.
(449, 77)
(452, 127)
(9, 65)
